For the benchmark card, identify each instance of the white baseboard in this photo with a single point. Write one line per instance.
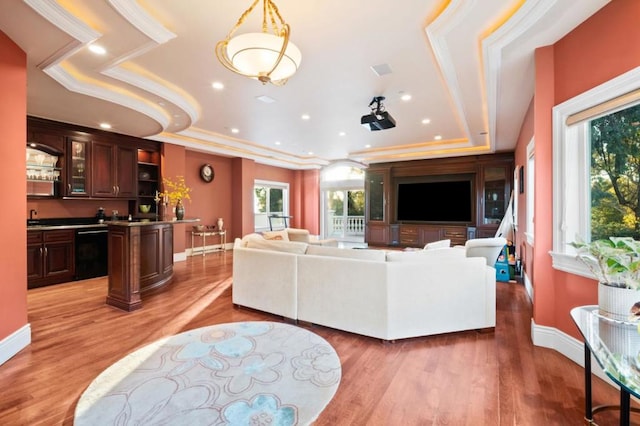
(527, 286)
(572, 348)
(14, 343)
(180, 257)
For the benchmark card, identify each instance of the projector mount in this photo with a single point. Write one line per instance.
(379, 119)
(378, 108)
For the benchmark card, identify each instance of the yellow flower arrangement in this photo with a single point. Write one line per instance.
(175, 191)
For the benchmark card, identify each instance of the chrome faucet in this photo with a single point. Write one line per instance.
(32, 212)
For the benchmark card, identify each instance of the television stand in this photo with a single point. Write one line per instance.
(417, 235)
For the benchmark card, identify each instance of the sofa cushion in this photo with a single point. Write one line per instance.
(424, 255)
(281, 235)
(438, 244)
(277, 245)
(376, 255)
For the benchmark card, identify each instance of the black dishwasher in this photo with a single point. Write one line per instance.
(92, 250)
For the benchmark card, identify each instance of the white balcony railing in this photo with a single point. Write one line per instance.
(345, 226)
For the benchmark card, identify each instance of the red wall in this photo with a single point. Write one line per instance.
(13, 263)
(601, 48)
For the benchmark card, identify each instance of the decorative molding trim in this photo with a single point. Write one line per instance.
(139, 18)
(58, 73)
(201, 140)
(436, 32)
(525, 17)
(53, 12)
(15, 342)
(83, 35)
(158, 89)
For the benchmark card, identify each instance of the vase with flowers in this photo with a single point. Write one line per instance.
(174, 193)
(615, 262)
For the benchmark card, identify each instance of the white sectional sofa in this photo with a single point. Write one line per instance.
(384, 294)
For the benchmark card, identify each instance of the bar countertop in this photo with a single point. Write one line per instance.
(136, 222)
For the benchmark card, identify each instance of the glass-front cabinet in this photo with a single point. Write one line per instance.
(376, 215)
(43, 174)
(495, 194)
(375, 206)
(77, 169)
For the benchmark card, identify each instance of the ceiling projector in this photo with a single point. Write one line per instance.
(379, 119)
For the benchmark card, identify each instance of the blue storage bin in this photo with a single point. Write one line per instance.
(502, 272)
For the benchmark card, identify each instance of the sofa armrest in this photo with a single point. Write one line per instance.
(265, 280)
(440, 296)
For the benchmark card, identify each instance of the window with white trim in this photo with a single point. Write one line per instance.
(572, 174)
(270, 199)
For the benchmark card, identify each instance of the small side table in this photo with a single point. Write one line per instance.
(203, 235)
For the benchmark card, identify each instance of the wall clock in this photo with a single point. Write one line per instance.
(206, 173)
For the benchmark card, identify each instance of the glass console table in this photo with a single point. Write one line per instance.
(203, 234)
(615, 346)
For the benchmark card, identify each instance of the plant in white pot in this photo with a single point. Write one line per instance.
(615, 262)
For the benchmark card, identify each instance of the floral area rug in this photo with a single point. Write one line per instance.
(245, 373)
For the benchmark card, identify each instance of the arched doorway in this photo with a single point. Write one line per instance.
(342, 202)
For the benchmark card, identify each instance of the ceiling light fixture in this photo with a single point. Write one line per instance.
(270, 58)
(97, 49)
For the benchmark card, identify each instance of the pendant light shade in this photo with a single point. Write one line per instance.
(256, 54)
(270, 58)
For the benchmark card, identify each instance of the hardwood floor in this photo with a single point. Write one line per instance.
(467, 378)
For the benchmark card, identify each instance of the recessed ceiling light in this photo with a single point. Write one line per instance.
(217, 85)
(437, 137)
(235, 130)
(266, 99)
(277, 142)
(97, 49)
(367, 146)
(426, 121)
(406, 97)
(105, 125)
(306, 116)
(341, 134)
(310, 152)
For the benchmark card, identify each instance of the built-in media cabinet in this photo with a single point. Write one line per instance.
(413, 203)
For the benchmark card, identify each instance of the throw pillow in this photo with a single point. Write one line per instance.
(296, 234)
(276, 235)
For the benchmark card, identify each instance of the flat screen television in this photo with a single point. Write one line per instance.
(435, 201)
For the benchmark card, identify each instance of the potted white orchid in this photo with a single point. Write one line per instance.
(615, 262)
